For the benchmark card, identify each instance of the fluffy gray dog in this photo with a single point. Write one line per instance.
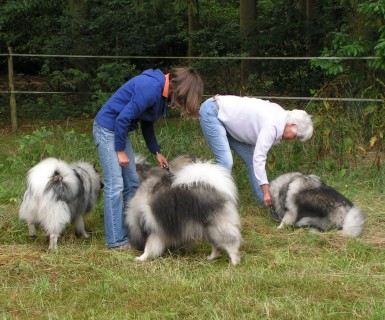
(195, 199)
(58, 193)
(304, 200)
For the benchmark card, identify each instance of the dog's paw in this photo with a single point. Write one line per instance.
(52, 248)
(235, 260)
(141, 258)
(82, 234)
(214, 254)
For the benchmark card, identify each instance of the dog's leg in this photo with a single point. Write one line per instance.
(234, 254)
(53, 242)
(232, 247)
(154, 248)
(215, 253)
(79, 227)
(228, 237)
(288, 219)
(31, 230)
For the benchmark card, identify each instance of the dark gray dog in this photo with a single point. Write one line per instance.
(194, 200)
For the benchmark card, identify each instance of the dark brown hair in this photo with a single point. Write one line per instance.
(186, 89)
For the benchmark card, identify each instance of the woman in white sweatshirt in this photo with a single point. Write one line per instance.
(250, 127)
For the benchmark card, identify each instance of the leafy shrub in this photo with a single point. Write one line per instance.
(109, 78)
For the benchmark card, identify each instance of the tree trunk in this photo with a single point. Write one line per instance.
(193, 24)
(79, 12)
(309, 11)
(248, 15)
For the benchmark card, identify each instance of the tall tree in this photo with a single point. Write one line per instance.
(193, 24)
(79, 11)
(190, 7)
(309, 11)
(248, 16)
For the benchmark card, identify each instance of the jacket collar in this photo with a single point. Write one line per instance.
(166, 86)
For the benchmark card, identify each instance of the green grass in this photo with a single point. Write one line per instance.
(284, 274)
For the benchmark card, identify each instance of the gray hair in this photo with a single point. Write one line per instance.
(302, 120)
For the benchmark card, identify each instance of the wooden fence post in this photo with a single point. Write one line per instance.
(12, 99)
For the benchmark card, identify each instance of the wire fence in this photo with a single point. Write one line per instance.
(12, 91)
(193, 58)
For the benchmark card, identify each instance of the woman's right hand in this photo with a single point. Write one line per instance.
(122, 158)
(266, 194)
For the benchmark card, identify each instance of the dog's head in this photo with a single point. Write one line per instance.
(180, 162)
(146, 170)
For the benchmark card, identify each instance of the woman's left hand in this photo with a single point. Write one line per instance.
(162, 161)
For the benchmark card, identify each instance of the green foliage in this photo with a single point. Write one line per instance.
(34, 147)
(160, 28)
(366, 37)
(43, 143)
(109, 77)
(18, 17)
(331, 67)
(62, 80)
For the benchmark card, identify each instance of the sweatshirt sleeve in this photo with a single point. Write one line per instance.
(265, 141)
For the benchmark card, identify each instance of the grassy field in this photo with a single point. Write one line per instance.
(284, 274)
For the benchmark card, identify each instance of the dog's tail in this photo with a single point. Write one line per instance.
(354, 222)
(208, 174)
(49, 183)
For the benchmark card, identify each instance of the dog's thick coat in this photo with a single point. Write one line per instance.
(194, 200)
(58, 193)
(304, 200)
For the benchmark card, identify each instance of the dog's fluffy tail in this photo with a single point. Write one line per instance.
(354, 222)
(49, 181)
(209, 174)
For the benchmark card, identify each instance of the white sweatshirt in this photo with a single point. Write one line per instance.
(257, 122)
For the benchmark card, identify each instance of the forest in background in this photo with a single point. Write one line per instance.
(158, 30)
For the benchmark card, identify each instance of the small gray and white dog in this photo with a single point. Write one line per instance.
(305, 201)
(58, 193)
(194, 200)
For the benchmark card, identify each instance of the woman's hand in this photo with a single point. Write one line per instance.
(162, 161)
(122, 158)
(266, 194)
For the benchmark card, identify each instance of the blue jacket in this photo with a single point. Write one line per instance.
(138, 100)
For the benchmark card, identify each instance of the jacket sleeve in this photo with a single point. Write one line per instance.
(149, 136)
(140, 101)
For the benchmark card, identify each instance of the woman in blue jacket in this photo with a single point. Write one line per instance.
(141, 100)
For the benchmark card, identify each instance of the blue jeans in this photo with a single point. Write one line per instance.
(120, 184)
(221, 144)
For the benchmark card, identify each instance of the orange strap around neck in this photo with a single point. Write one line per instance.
(166, 86)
